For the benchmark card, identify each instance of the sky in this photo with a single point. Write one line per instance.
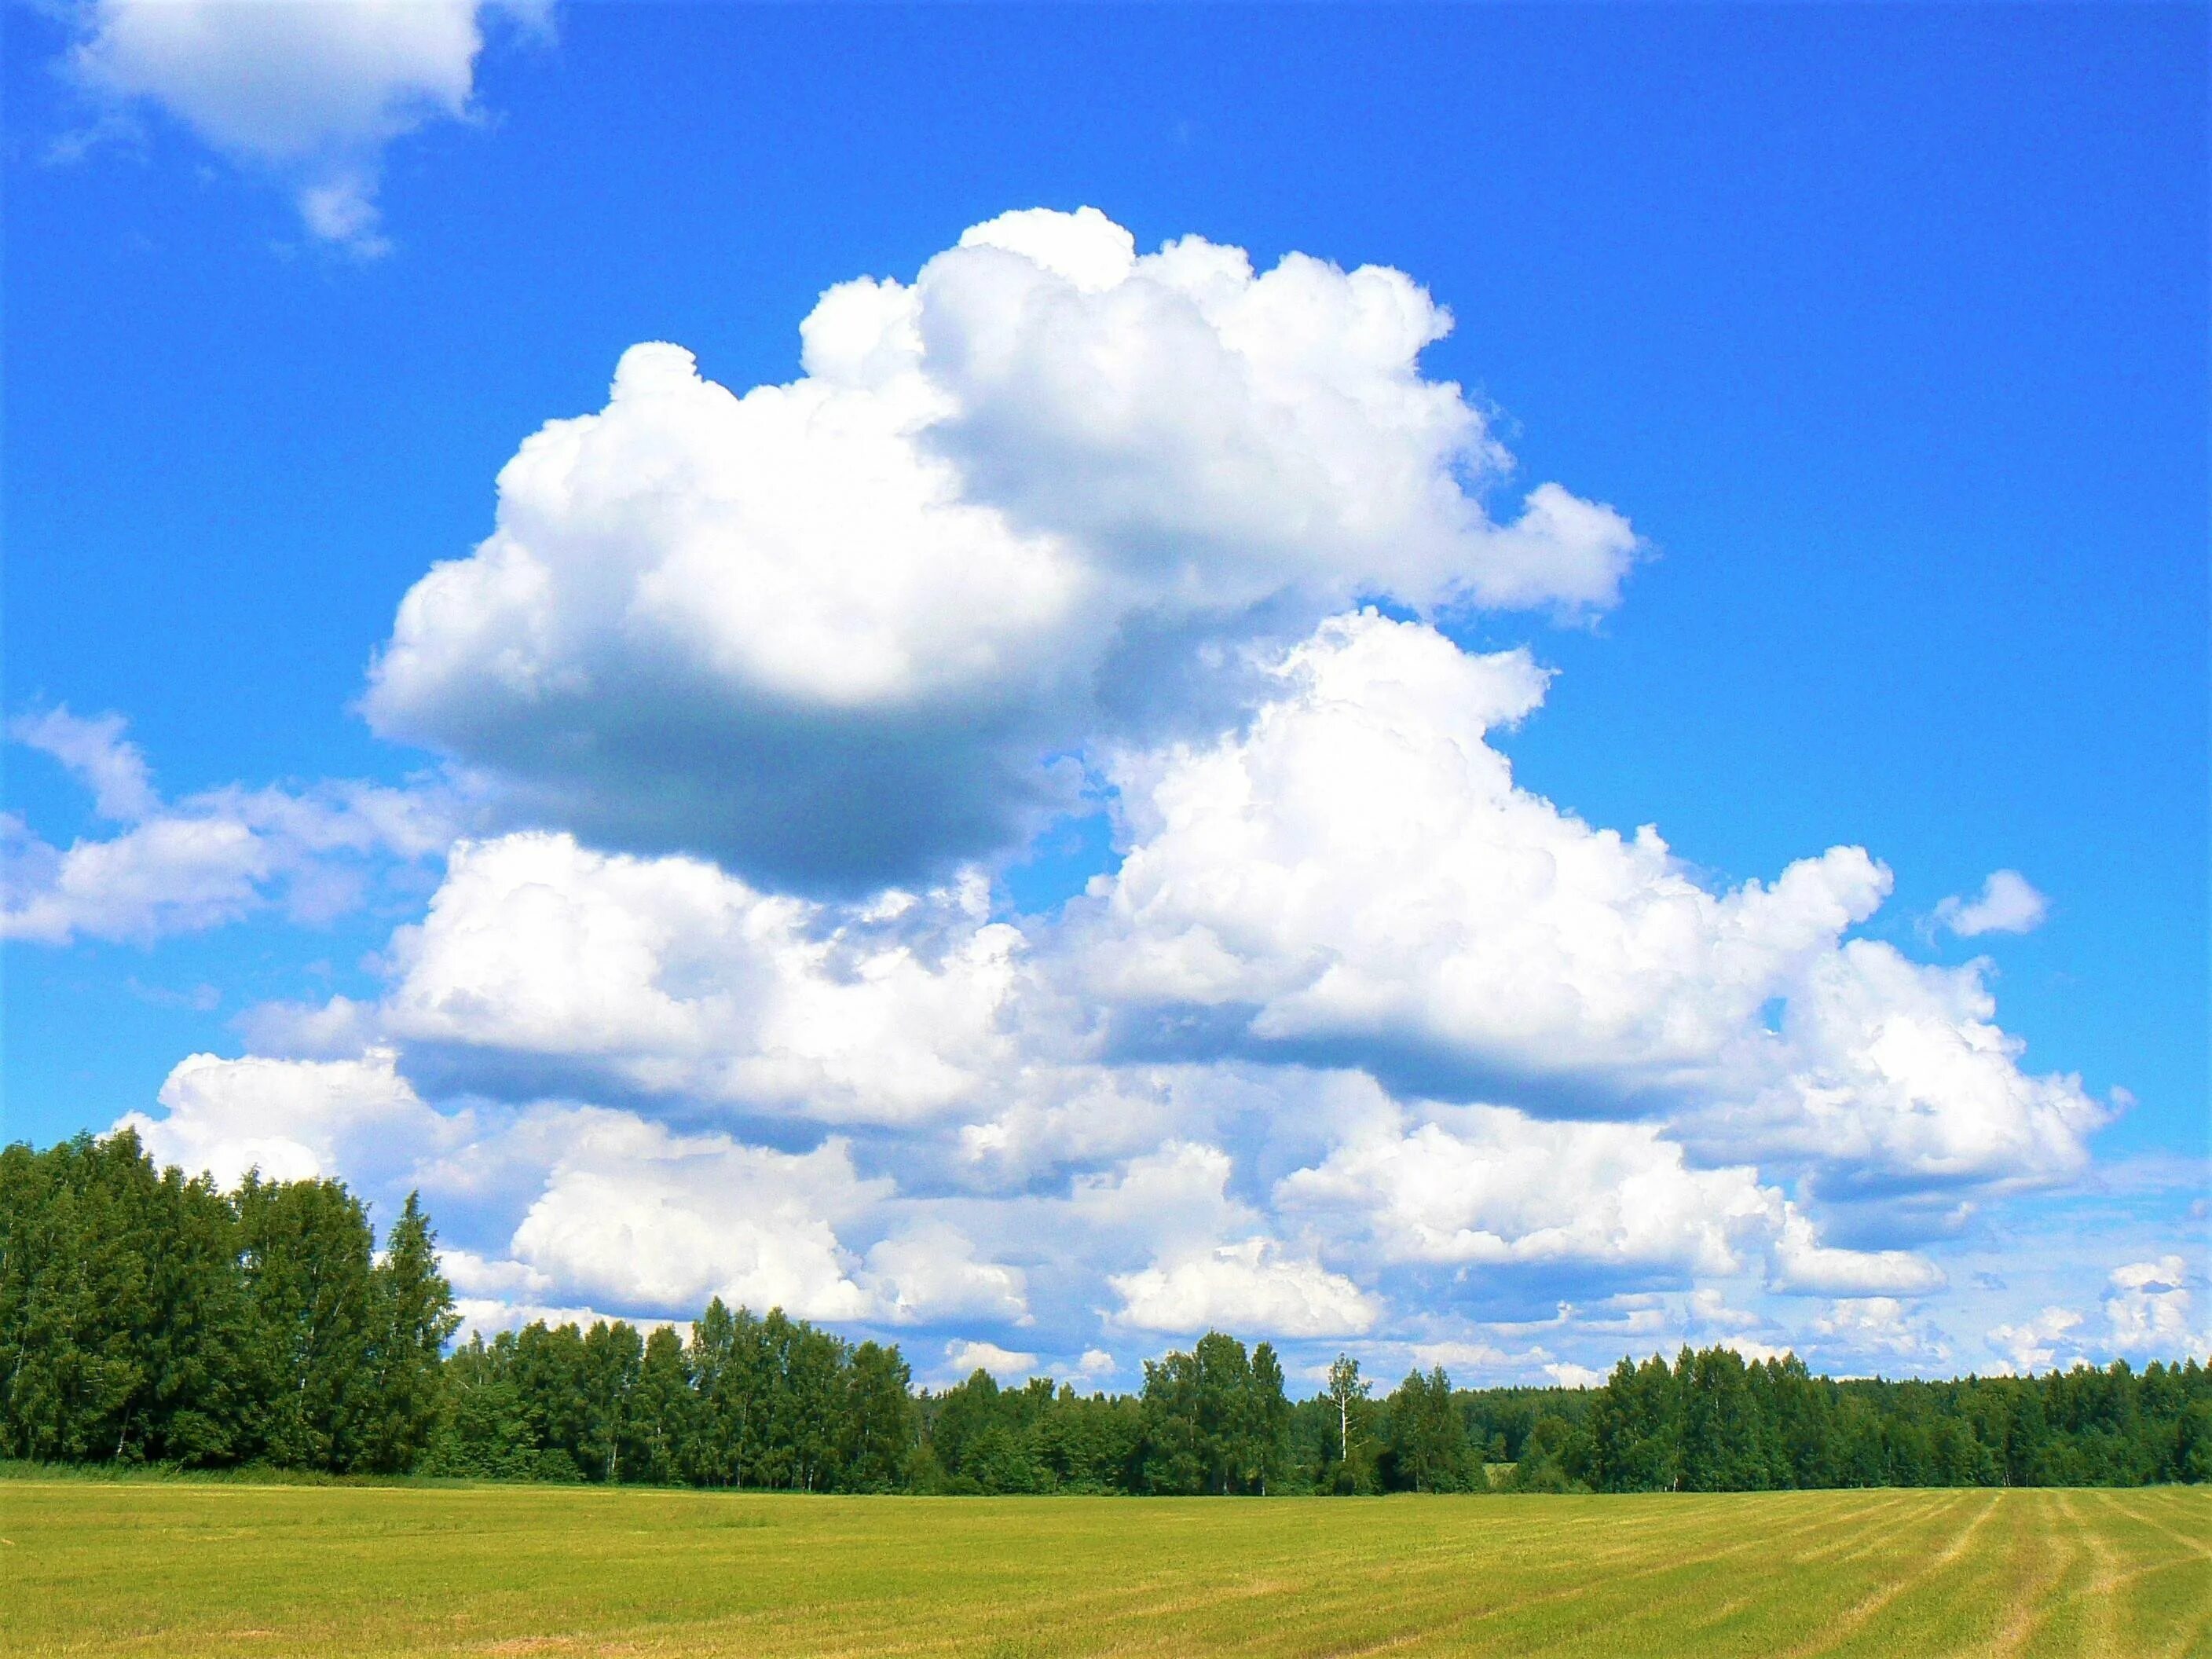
(1485, 686)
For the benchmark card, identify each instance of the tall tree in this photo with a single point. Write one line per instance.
(412, 1316)
(310, 1312)
(1269, 1417)
(1346, 1391)
(613, 1355)
(876, 1429)
(665, 1409)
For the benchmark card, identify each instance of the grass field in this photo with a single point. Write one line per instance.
(198, 1568)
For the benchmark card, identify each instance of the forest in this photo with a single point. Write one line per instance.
(150, 1318)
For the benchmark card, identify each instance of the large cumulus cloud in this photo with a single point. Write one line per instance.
(662, 1081)
(1356, 1039)
(832, 632)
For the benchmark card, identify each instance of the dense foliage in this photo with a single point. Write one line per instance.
(144, 1317)
(1713, 1423)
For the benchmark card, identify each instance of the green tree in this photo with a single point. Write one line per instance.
(665, 1410)
(1428, 1444)
(876, 1431)
(310, 1323)
(484, 1429)
(613, 1356)
(411, 1317)
(1347, 1393)
(961, 1415)
(1268, 1419)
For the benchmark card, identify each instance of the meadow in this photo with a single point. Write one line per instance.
(197, 1567)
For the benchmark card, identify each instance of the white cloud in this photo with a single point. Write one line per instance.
(2006, 904)
(294, 1030)
(294, 1119)
(828, 630)
(309, 91)
(1710, 1307)
(1196, 1254)
(634, 1215)
(170, 875)
(1461, 1359)
(615, 1210)
(1175, 1197)
(1753, 1351)
(1488, 1185)
(1178, 409)
(1356, 879)
(1057, 498)
(212, 858)
(669, 977)
(1359, 865)
(95, 751)
(1568, 1374)
(1800, 1262)
(1889, 1066)
(1251, 1285)
(2149, 1309)
(1073, 1115)
(1880, 1325)
(929, 1275)
(2035, 1345)
(964, 1359)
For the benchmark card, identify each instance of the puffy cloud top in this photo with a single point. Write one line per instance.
(829, 630)
(1359, 868)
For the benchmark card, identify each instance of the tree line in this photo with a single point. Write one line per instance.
(1712, 1422)
(147, 1318)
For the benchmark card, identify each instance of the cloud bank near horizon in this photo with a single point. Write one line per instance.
(1354, 1039)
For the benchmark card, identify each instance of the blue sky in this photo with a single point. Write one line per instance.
(1885, 329)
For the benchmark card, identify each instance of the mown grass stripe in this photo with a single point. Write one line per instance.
(167, 1570)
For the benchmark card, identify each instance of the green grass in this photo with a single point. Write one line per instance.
(184, 1567)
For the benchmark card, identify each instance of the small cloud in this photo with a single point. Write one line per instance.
(931, 1272)
(308, 95)
(964, 1359)
(1252, 1285)
(1880, 1324)
(95, 751)
(1751, 1349)
(2007, 904)
(1569, 1374)
(342, 209)
(2033, 1344)
(2149, 1308)
(1708, 1307)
